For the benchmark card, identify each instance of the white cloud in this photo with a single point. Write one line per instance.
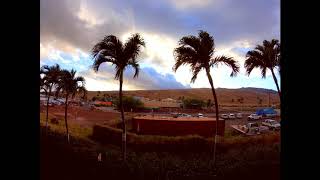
(73, 27)
(187, 4)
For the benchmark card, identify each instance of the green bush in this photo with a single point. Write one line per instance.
(193, 103)
(193, 143)
(129, 103)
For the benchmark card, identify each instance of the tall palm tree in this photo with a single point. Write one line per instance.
(198, 53)
(48, 82)
(112, 50)
(70, 85)
(265, 56)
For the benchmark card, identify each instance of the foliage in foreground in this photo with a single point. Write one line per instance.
(80, 157)
(194, 143)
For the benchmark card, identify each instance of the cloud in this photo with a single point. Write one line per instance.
(82, 23)
(186, 4)
(148, 79)
(70, 28)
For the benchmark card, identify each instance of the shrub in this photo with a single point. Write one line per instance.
(129, 103)
(193, 103)
(54, 121)
(190, 143)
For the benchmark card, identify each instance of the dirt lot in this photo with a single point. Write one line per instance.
(83, 116)
(87, 117)
(229, 122)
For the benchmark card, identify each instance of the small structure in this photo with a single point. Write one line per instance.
(169, 100)
(266, 112)
(107, 103)
(170, 126)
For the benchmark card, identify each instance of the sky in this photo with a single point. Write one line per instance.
(70, 28)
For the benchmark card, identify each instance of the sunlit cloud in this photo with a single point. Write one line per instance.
(187, 4)
(69, 29)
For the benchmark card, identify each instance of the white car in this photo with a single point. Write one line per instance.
(272, 124)
(200, 115)
(224, 116)
(239, 115)
(232, 116)
(271, 115)
(254, 117)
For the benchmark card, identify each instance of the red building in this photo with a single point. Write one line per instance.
(108, 103)
(169, 126)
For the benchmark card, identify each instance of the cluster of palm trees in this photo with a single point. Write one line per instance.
(196, 51)
(61, 82)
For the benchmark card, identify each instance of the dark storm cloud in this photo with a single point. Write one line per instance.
(226, 20)
(59, 21)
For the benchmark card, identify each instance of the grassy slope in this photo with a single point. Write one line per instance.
(78, 160)
(225, 96)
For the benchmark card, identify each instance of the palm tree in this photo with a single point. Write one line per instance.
(265, 56)
(198, 53)
(70, 85)
(49, 81)
(112, 50)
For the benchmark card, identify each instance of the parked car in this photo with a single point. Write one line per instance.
(185, 115)
(224, 116)
(200, 115)
(252, 128)
(239, 115)
(263, 129)
(271, 124)
(254, 117)
(271, 115)
(232, 116)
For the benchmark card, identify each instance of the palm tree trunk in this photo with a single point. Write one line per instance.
(124, 135)
(276, 81)
(47, 117)
(65, 117)
(217, 113)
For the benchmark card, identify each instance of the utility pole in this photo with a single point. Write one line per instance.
(269, 97)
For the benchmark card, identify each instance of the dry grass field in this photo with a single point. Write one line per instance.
(226, 97)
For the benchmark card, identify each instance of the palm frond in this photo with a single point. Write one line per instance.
(98, 60)
(206, 43)
(184, 55)
(133, 47)
(229, 61)
(195, 72)
(136, 68)
(119, 71)
(263, 57)
(191, 41)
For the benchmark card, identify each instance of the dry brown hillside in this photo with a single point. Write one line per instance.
(225, 96)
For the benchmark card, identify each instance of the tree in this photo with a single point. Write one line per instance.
(265, 56)
(51, 75)
(69, 85)
(208, 103)
(130, 103)
(193, 103)
(198, 53)
(112, 50)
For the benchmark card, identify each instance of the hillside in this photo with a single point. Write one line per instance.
(225, 96)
